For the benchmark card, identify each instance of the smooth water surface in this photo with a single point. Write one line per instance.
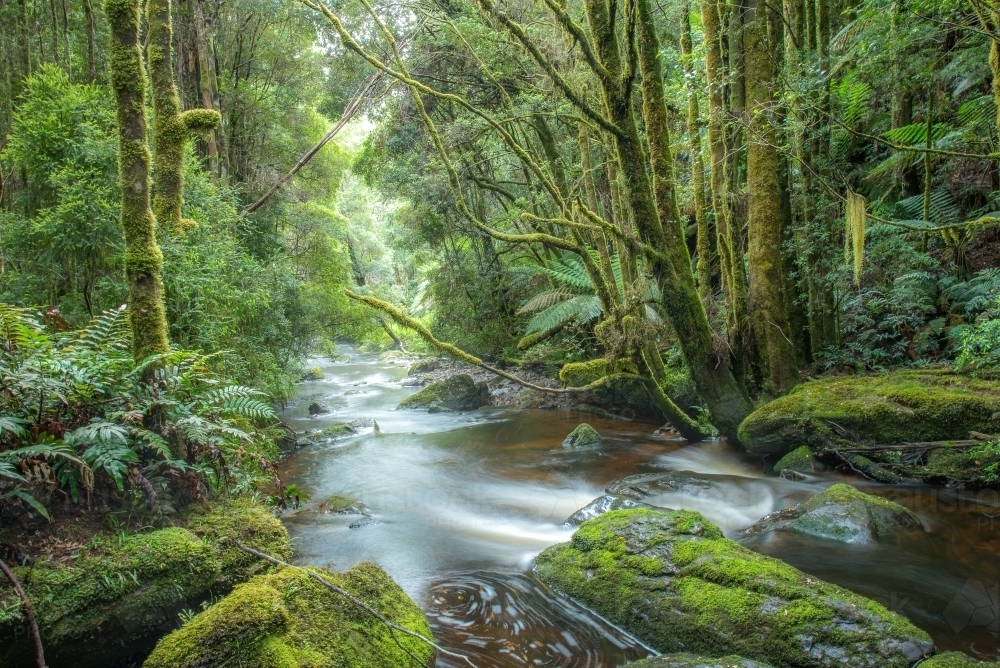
(465, 501)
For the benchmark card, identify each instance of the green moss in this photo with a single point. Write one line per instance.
(583, 436)
(288, 619)
(251, 523)
(457, 393)
(900, 407)
(125, 590)
(674, 581)
(578, 374)
(313, 373)
(122, 588)
(800, 459)
(957, 660)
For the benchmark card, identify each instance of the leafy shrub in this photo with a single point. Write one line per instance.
(79, 415)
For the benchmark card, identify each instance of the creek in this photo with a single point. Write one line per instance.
(464, 501)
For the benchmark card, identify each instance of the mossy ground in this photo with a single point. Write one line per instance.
(957, 660)
(121, 588)
(674, 581)
(287, 619)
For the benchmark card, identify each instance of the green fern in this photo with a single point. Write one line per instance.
(110, 329)
(111, 457)
(583, 308)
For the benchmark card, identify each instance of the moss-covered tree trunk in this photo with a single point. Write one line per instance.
(143, 259)
(764, 225)
(654, 213)
(170, 126)
(703, 243)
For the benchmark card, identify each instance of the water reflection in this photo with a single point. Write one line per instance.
(466, 501)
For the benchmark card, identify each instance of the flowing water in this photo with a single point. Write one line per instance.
(465, 501)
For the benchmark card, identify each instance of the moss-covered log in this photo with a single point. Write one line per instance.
(122, 592)
(143, 259)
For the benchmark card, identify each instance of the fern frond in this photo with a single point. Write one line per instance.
(112, 458)
(915, 135)
(252, 409)
(544, 300)
(583, 308)
(107, 330)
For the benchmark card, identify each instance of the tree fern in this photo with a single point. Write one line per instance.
(583, 308)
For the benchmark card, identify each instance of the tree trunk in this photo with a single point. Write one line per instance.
(143, 259)
(169, 132)
(764, 225)
(88, 11)
(703, 245)
(205, 80)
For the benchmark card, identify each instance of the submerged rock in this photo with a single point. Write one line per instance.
(458, 393)
(127, 590)
(583, 436)
(694, 661)
(366, 521)
(642, 485)
(893, 408)
(416, 381)
(341, 505)
(671, 579)
(601, 505)
(360, 424)
(842, 513)
(289, 619)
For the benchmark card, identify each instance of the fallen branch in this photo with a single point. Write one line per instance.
(927, 445)
(345, 118)
(29, 614)
(361, 604)
(455, 351)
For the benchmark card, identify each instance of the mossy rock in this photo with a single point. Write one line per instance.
(287, 619)
(424, 366)
(341, 505)
(694, 661)
(122, 592)
(457, 393)
(601, 505)
(893, 408)
(249, 522)
(799, 460)
(583, 436)
(671, 579)
(844, 514)
(313, 373)
(957, 660)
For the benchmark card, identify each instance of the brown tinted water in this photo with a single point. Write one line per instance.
(465, 501)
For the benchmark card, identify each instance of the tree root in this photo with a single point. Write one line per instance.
(29, 614)
(361, 604)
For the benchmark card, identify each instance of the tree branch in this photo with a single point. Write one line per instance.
(29, 614)
(458, 353)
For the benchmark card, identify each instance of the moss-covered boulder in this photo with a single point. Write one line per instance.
(341, 505)
(123, 590)
(583, 436)
(893, 408)
(957, 660)
(671, 579)
(424, 366)
(601, 505)
(287, 619)
(695, 661)
(457, 393)
(842, 513)
(799, 460)
(312, 373)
